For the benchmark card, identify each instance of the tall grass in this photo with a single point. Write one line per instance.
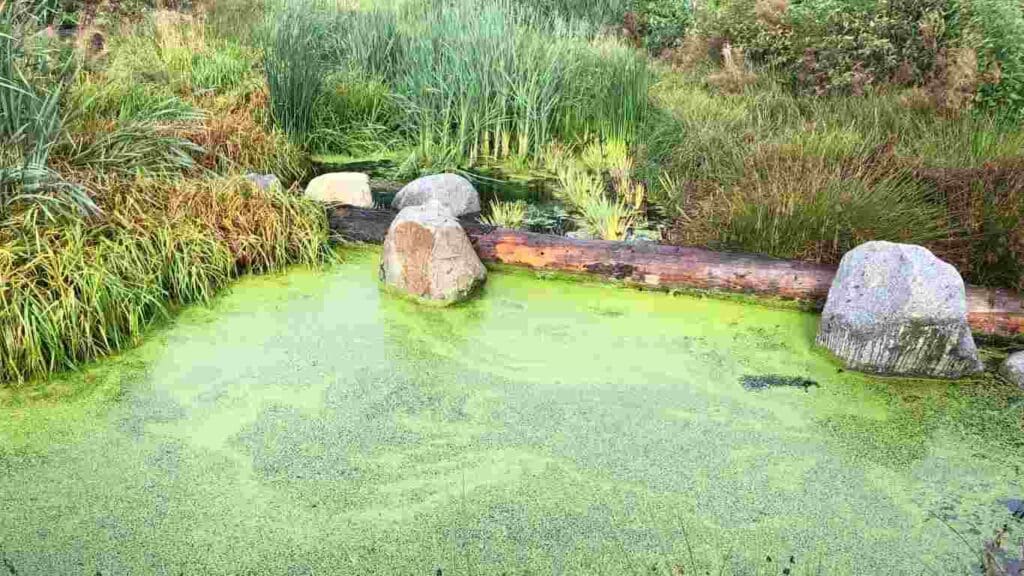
(469, 81)
(75, 290)
(293, 68)
(31, 122)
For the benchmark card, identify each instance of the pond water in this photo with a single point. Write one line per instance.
(309, 424)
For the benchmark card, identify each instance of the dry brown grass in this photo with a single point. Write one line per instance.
(234, 138)
(985, 204)
(694, 51)
(771, 13)
(951, 87)
(734, 77)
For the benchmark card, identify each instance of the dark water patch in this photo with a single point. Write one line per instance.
(1016, 507)
(765, 381)
(493, 184)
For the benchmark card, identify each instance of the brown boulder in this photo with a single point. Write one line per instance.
(428, 255)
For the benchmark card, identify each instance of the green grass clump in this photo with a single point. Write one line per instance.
(76, 290)
(293, 68)
(487, 79)
(506, 214)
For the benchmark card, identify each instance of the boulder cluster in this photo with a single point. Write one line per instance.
(892, 309)
(427, 254)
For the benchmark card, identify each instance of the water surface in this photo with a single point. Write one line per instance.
(309, 424)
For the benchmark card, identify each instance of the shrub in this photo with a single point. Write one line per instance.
(838, 47)
(663, 22)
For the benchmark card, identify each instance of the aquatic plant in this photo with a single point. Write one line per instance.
(505, 214)
(487, 79)
(293, 70)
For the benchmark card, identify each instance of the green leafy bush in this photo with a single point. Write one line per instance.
(663, 22)
(1000, 27)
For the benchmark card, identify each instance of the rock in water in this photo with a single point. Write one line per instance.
(897, 309)
(451, 190)
(352, 188)
(1013, 369)
(428, 255)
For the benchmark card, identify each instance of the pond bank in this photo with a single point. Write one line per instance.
(991, 311)
(308, 423)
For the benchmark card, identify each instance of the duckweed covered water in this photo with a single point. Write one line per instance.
(309, 424)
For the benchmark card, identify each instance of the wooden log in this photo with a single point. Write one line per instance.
(995, 312)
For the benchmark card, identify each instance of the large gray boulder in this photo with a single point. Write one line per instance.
(428, 255)
(897, 309)
(1013, 369)
(352, 188)
(451, 190)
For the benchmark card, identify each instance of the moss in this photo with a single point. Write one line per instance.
(310, 423)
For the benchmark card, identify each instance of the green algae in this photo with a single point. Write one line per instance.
(309, 423)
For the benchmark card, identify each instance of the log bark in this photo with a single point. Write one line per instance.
(991, 311)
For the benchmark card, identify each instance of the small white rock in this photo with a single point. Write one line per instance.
(352, 188)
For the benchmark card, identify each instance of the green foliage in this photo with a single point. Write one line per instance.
(355, 116)
(31, 122)
(663, 22)
(487, 79)
(1001, 30)
(292, 63)
(789, 216)
(838, 46)
(75, 290)
(593, 12)
(221, 67)
(602, 212)
(506, 214)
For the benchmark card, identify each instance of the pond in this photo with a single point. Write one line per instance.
(309, 424)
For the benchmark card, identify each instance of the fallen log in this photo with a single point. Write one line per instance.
(991, 311)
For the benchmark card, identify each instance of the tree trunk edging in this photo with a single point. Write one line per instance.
(990, 311)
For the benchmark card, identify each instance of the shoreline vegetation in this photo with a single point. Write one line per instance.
(796, 131)
(136, 137)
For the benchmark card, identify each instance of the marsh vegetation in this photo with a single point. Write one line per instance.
(793, 130)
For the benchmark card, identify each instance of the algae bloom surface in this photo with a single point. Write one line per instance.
(310, 424)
